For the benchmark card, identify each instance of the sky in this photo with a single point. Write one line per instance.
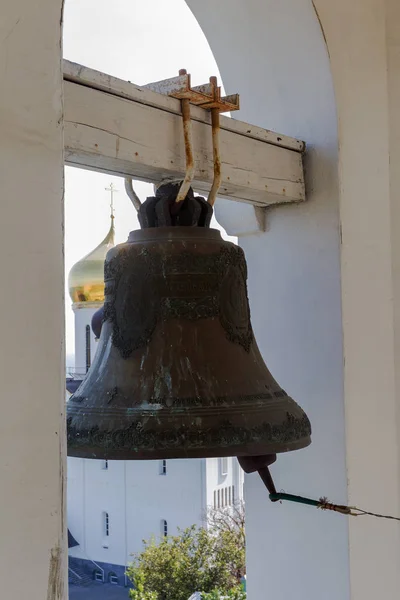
(133, 41)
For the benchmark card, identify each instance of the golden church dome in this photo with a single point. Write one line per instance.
(86, 278)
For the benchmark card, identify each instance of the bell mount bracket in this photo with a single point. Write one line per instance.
(207, 96)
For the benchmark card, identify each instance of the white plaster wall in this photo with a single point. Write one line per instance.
(393, 58)
(176, 497)
(32, 447)
(76, 504)
(137, 498)
(104, 491)
(274, 54)
(364, 59)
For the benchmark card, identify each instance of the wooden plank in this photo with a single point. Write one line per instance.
(115, 135)
(125, 89)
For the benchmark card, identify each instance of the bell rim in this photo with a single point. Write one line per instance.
(99, 453)
(134, 440)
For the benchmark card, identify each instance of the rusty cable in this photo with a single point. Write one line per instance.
(323, 503)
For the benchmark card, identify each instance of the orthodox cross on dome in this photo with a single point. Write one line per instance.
(112, 189)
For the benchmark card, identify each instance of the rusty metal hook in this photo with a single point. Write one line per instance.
(131, 193)
(216, 184)
(207, 96)
(187, 135)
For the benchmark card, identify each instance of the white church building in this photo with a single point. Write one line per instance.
(114, 505)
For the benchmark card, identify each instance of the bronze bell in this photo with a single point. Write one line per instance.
(178, 373)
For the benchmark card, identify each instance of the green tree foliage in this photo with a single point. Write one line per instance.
(197, 559)
(236, 593)
(140, 593)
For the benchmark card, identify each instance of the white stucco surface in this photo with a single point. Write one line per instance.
(137, 498)
(32, 441)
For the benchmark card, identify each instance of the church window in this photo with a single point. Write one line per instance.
(223, 466)
(87, 341)
(106, 524)
(163, 467)
(104, 465)
(112, 578)
(164, 528)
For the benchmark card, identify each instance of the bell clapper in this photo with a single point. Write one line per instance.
(260, 464)
(266, 477)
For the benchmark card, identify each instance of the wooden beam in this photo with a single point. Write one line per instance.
(116, 127)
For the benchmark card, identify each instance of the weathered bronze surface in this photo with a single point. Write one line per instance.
(178, 373)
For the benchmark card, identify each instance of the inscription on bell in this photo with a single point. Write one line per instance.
(147, 288)
(183, 285)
